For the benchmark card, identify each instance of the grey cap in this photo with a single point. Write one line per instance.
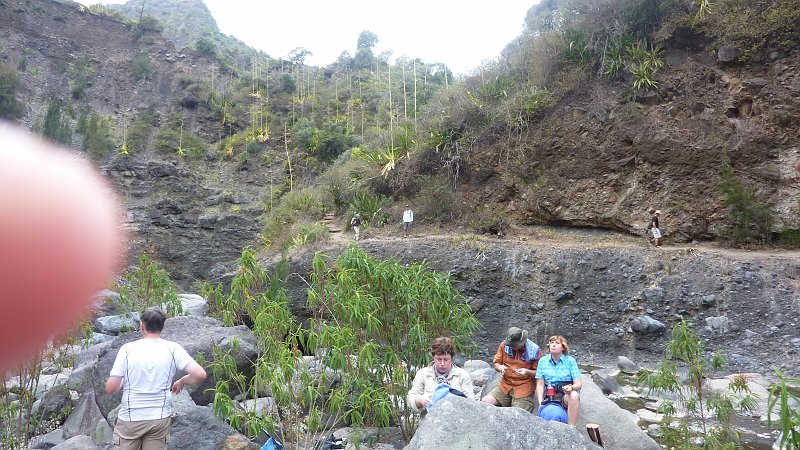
(516, 337)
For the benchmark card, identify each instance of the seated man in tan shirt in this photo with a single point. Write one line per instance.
(441, 371)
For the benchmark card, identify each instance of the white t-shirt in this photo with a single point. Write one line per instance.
(147, 367)
(408, 216)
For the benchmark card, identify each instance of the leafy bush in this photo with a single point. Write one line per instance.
(206, 47)
(497, 89)
(752, 219)
(782, 396)
(370, 207)
(372, 325)
(81, 71)
(434, 200)
(174, 138)
(577, 48)
(750, 25)
(146, 25)
(306, 234)
(140, 129)
(142, 68)
(714, 411)
(10, 108)
(489, 222)
(96, 132)
(148, 285)
(56, 127)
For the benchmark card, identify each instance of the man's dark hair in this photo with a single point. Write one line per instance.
(153, 319)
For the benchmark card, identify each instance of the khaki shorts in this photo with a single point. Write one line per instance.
(142, 434)
(527, 403)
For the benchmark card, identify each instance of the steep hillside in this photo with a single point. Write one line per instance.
(600, 159)
(186, 214)
(213, 150)
(601, 110)
(185, 21)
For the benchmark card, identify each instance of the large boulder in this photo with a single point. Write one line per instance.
(465, 424)
(85, 419)
(618, 427)
(196, 428)
(647, 325)
(197, 335)
(77, 443)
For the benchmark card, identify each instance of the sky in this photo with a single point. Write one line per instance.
(459, 33)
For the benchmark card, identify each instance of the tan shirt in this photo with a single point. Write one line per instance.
(425, 383)
(523, 386)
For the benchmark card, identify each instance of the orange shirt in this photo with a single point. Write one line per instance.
(523, 386)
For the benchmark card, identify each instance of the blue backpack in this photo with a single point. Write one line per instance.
(442, 391)
(553, 411)
(272, 443)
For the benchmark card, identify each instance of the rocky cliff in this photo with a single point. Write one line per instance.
(611, 296)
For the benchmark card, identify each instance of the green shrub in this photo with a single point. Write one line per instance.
(147, 25)
(56, 127)
(306, 234)
(577, 47)
(783, 397)
(789, 237)
(750, 25)
(173, 137)
(146, 285)
(434, 199)
(370, 207)
(96, 131)
(140, 129)
(206, 47)
(142, 68)
(10, 108)
(372, 325)
(714, 411)
(752, 219)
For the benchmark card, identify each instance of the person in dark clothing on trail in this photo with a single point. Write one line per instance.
(356, 224)
(653, 227)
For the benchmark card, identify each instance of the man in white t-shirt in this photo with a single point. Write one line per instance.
(408, 220)
(144, 370)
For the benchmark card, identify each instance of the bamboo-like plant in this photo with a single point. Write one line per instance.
(149, 285)
(713, 410)
(781, 395)
(371, 329)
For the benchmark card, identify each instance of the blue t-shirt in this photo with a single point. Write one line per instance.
(566, 369)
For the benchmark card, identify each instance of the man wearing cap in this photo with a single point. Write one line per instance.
(517, 359)
(654, 227)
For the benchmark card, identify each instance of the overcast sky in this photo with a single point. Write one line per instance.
(459, 33)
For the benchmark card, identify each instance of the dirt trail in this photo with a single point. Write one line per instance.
(562, 237)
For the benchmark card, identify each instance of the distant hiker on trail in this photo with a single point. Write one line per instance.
(558, 375)
(516, 358)
(653, 227)
(441, 371)
(356, 224)
(408, 220)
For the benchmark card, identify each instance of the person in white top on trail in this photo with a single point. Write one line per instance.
(408, 220)
(144, 370)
